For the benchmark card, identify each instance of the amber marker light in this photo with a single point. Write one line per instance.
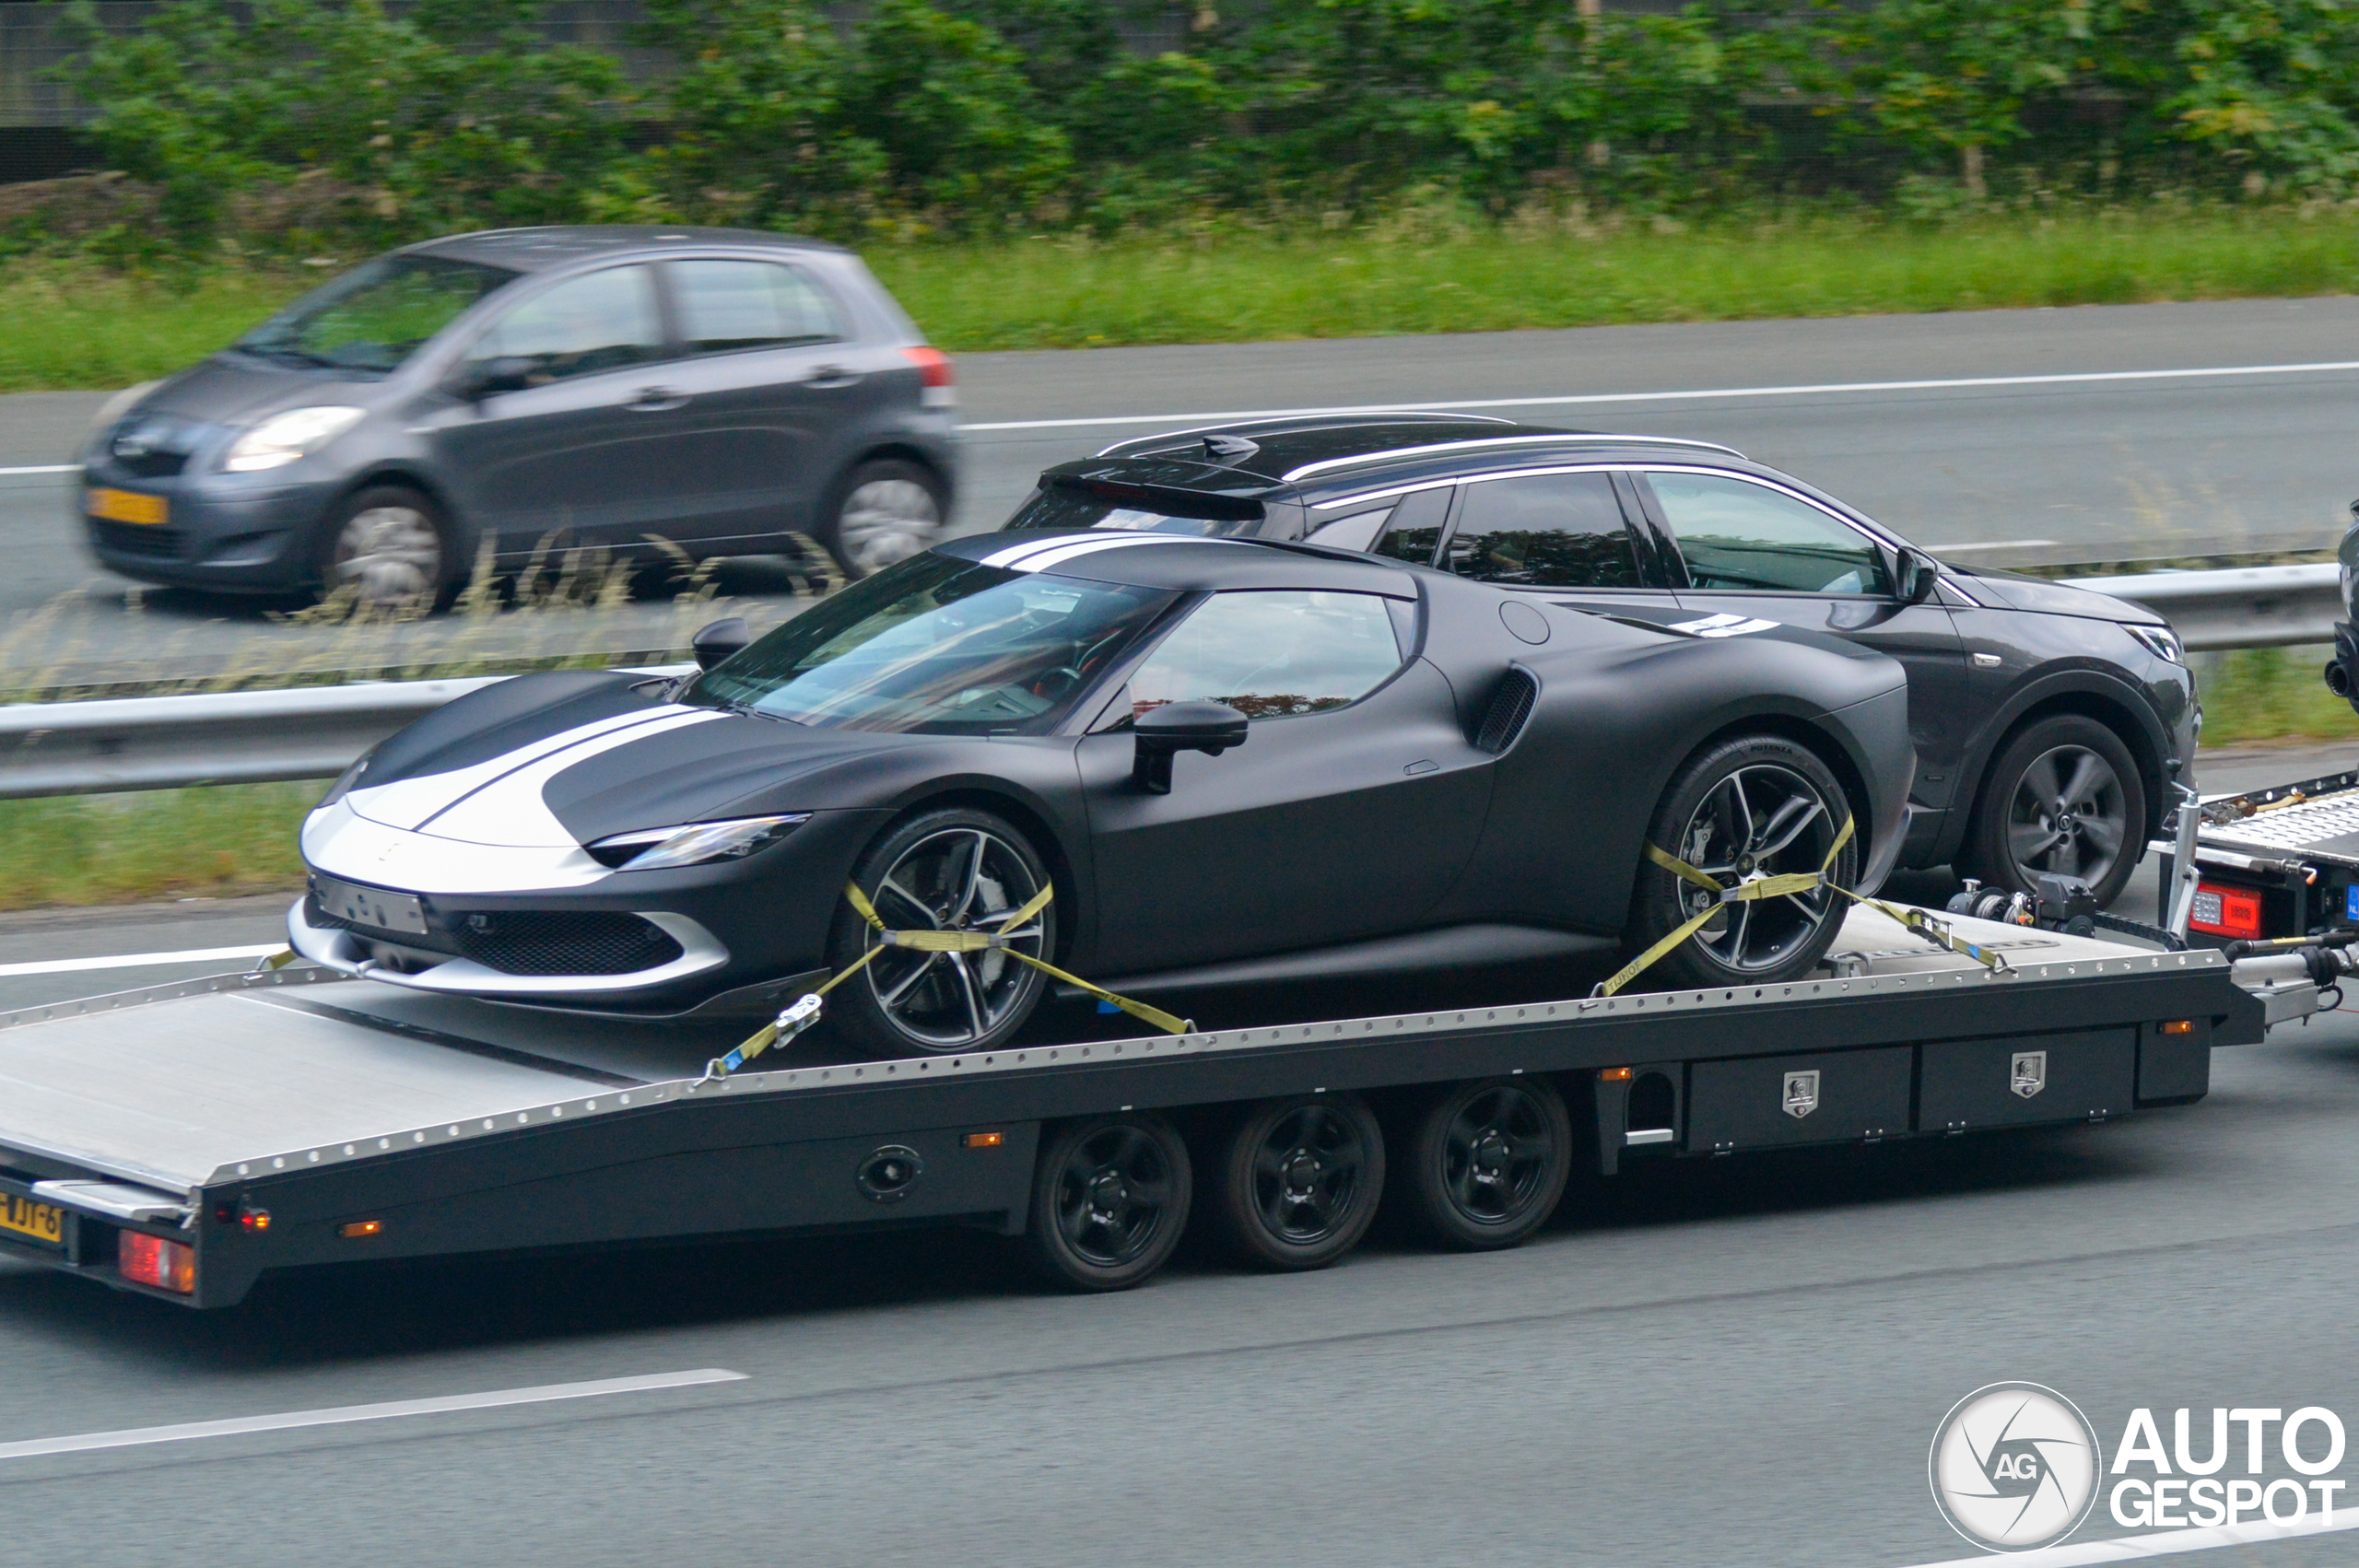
(2178, 1026)
(985, 1140)
(356, 1228)
(1614, 1075)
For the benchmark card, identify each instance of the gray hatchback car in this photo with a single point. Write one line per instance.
(536, 389)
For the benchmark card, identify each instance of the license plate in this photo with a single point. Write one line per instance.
(36, 1222)
(125, 506)
(371, 906)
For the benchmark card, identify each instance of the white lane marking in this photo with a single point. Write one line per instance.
(138, 960)
(1992, 544)
(44, 468)
(2161, 1543)
(340, 1414)
(1946, 384)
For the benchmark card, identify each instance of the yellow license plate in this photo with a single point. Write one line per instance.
(125, 506)
(38, 1220)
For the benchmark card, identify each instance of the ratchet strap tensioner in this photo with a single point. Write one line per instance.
(1786, 885)
(805, 1011)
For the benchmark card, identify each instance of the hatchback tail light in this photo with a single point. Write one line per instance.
(934, 374)
(152, 1260)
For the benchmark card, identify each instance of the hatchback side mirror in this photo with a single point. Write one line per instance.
(717, 641)
(489, 377)
(1164, 733)
(1920, 576)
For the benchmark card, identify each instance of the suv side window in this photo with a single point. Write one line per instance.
(1737, 535)
(1272, 654)
(1414, 531)
(726, 305)
(601, 321)
(1544, 531)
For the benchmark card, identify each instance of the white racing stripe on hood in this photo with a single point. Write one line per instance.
(510, 812)
(1056, 554)
(411, 802)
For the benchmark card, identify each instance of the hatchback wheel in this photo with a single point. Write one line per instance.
(2064, 798)
(388, 547)
(884, 512)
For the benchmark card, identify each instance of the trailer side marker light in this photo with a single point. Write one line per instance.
(152, 1260)
(2178, 1026)
(1615, 1075)
(985, 1140)
(254, 1219)
(354, 1228)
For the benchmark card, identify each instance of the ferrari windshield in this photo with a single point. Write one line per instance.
(937, 646)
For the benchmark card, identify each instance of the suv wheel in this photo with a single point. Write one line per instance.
(2063, 797)
(883, 512)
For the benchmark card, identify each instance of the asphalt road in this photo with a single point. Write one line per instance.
(1714, 1362)
(2028, 471)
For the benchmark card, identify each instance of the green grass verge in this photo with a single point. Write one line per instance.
(241, 838)
(73, 324)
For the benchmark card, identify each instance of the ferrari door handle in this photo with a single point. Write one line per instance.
(656, 400)
(827, 376)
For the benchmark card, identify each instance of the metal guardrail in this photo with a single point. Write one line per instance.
(161, 743)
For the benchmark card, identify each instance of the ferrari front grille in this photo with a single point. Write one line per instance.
(555, 942)
(1511, 705)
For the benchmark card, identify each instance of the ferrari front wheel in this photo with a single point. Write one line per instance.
(959, 869)
(1747, 809)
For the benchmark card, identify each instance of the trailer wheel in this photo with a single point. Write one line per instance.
(1299, 1179)
(1110, 1199)
(1487, 1160)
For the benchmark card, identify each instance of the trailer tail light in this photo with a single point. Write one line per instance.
(2225, 911)
(934, 374)
(152, 1260)
(2178, 1026)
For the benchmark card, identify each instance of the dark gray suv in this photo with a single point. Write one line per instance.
(532, 389)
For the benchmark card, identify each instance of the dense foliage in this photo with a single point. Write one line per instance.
(973, 116)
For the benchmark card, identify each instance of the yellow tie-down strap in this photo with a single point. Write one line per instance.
(805, 1011)
(1915, 920)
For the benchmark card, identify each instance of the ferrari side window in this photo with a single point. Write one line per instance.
(1272, 654)
(1742, 537)
(1414, 531)
(1544, 531)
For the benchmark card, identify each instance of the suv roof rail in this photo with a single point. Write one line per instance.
(1316, 418)
(1564, 438)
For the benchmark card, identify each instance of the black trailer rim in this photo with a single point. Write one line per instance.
(1114, 1193)
(961, 878)
(1761, 821)
(2068, 816)
(1310, 1172)
(1497, 1155)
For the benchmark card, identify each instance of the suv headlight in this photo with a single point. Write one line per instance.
(2160, 641)
(283, 437)
(693, 844)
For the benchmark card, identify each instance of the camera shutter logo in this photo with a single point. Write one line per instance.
(1802, 1093)
(2015, 1466)
(2030, 1073)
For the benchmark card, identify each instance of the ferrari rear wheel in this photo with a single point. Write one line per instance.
(959, 869)
(1746, 810)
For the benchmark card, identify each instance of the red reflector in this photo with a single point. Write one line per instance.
(934, 366)
(152, 1260)
(2225, 911)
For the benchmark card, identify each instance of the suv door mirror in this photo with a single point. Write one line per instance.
(1920, 576)
(1164, 733)
(489, 377)
(717, 641)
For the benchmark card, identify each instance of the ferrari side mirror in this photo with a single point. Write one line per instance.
(717, 641)
(1164, 733)
(1920, 576)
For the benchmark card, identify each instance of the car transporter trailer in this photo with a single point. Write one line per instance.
(180, 1140)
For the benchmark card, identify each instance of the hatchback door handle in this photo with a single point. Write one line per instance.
(831, 376)
(655, 399)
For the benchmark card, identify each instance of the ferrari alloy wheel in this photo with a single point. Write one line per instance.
(2062, 797)
(888, 512)
(1487, 1160)
(1110, 1200)
(948, 871)
(1747, 811)
(386, 546)
(1300, 1179)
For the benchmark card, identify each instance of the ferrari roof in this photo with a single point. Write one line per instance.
(1183, 562)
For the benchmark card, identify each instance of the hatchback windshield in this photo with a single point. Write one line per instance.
(375, 316)
(937, 646)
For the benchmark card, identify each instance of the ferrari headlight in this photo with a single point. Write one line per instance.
(696, 844)
(283, 437)
(2160, 641)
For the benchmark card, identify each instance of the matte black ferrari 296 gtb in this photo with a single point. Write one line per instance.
(1232, 760)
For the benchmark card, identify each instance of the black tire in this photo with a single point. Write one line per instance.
(1109, 1201)
(1487, 1161)
(2100, 837)
(882, 513)
(391, 546)
(904, 1003)
(1741, 789)
(1298, 1180)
